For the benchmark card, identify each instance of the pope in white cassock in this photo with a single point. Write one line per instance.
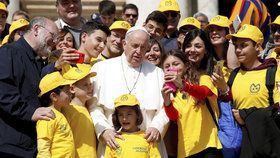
(129, 73)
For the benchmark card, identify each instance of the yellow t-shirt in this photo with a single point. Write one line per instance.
(134, 145)
(55, 138)
(249, 90)
(83, 130)
(275, 56)
(196, 128)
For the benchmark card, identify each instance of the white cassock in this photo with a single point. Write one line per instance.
(114, 78)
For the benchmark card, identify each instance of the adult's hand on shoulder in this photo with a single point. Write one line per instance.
(109, 136)
(152, 134)
(43, 113)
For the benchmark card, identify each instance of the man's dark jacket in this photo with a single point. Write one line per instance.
(19, 80)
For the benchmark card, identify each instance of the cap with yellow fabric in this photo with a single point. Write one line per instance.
(79, 72)
(4, 8)
(248, 31)
(52, 81)
(190, 21)
(168, 5)
(120, 25)
(126, 100)
(219, 20)
(18, 24)
(276, 21)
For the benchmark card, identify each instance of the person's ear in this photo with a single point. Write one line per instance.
(258, 47)
(35, 29)
(53, 97)
(84, 37)
(124, 43)
(72, 89)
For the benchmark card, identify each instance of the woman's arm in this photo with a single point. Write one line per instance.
(171, 112)
(199, 92)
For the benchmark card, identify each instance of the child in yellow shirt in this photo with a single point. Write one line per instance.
(126, 118)
(55, 137)
(77, 114)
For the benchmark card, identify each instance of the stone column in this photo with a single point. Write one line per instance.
(208, 7)
(12, 7)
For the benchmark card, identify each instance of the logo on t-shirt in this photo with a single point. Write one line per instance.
(255, 88)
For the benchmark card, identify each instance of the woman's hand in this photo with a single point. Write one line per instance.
(165, 92)
(219, 80)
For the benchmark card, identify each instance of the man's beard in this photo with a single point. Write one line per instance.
(44, 50)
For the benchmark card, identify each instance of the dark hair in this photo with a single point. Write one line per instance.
(45, 99)
(158, 17)
(90, 26)
(107, 7)
(116, 121)
(20, 12)
(207, 63)
(7, 1)
(130, 6)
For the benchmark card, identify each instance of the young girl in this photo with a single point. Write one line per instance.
(126, 119)
(55, 137)
(77, 114)
(197, 132)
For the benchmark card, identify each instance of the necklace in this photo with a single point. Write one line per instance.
(130, 90)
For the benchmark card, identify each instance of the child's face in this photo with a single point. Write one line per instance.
(83, 89)
(128, 118)
(63, 99)
(94, 43)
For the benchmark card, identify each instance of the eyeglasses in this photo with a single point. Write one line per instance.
(275, 29)
(129, 15)
(54, 37)
(173, 14)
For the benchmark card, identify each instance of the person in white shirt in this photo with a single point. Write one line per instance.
(69, 17)
(129, 74)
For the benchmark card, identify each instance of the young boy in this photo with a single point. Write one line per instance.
(93, 39)
(77, 113)
(55, 137)
(127, 118)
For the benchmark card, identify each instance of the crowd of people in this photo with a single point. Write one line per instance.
(103, 87)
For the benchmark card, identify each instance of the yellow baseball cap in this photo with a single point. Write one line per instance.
(190, 21)
(5, 39)
(276, 21)
(120, 25)
(248, 31)
(52, 81)
(126, 100)
(168, 5)
(219, 20)
(4, 8)
(18, 24)
(79, 72)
